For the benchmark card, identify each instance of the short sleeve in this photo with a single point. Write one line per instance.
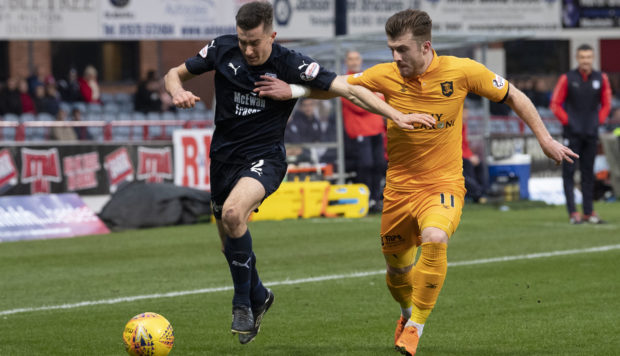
(304, 70)
(482, 81)
(370, 78)
(204, 60)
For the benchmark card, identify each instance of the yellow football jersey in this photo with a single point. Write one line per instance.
(421, 156)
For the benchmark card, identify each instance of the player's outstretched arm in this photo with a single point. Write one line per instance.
(367, 100)
(277, 89)
(173, 82)
(523, 107)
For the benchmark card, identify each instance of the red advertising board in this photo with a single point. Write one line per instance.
(191, 158)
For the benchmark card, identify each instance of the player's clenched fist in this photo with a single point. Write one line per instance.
(184, 99)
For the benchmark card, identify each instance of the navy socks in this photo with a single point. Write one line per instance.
(249, 289)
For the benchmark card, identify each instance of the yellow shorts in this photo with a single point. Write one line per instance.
(407, 214)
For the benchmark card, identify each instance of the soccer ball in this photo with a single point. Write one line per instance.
(148, 334)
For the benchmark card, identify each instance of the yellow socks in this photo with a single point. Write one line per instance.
(401, 287)
(428, 277)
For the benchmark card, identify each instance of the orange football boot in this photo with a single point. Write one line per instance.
(400, 325)
(407, 343)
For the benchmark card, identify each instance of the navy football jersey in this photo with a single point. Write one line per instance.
(248, 127)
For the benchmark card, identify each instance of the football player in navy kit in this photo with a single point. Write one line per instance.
(248, 158)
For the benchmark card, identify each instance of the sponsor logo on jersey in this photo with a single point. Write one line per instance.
(40, 167)
(247, 104)
(205, 50)
(391, 240)
(445, 124)
(498, 82)
(311, 72)
(447, 88)
(230, 65)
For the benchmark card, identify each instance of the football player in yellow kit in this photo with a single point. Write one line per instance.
(424, 192)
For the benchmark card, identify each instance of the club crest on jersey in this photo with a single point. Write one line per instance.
(498, 82)
(205, 50)
(312, 70)
(447, 88)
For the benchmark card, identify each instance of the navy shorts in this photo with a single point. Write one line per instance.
(224, 177)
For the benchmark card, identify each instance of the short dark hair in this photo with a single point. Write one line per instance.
(254, 14)
(417, 22)
(585, 47)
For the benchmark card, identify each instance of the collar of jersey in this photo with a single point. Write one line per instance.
(431, 67)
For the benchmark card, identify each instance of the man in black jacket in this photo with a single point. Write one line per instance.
(586, 96)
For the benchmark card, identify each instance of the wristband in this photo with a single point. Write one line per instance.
(298, 91)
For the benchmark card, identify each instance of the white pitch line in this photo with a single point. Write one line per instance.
(303, 280)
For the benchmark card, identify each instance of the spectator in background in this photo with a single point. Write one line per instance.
(527, 87)
(473, 169)
(328, 134)
(614, 120)
(365, 132)
(70, 88)
(81, 132)
(11, 97)
(581, 101)
(304, 127)
(63, 133)
(147, 97)
(89, 87)
(39, 78)
(46, 100)
(540, 93)
(25, 98)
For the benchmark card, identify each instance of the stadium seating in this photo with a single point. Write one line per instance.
(110, 120)
(155, 131)
(9, 133)
(122, 133)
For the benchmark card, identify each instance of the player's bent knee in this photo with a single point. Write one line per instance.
(435, 235)
(232, 219)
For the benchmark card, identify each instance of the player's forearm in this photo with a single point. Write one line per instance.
(526, 110)
(363, 98)
(173, 80)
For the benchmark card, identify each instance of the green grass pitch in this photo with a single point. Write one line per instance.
(546, 304)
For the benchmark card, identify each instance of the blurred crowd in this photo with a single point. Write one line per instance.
(313, 121)
(42, 93)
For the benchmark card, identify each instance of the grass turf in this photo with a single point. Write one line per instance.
(556, 305)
